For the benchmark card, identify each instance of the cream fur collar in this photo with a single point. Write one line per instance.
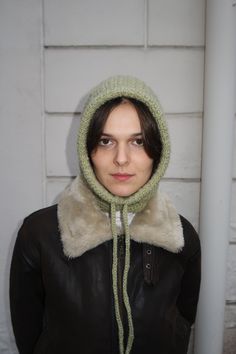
(84, 226)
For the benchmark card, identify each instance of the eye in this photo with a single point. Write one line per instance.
(105, 142)
(138, 142)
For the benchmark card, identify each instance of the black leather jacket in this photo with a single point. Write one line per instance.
(64, 305)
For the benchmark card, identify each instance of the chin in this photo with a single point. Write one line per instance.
(121, 193)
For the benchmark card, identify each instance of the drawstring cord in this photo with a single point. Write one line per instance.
(125, 279)
(114, 279)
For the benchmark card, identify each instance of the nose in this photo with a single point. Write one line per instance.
(121, 157)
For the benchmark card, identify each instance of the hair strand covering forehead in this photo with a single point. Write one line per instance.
(119, 86)
(130, 87)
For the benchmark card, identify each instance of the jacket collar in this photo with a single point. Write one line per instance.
(84, 226)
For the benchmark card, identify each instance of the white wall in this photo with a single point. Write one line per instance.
(21, 134)
(52, 53)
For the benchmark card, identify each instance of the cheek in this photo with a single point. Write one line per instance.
(98, 161)
(146, 164)
(147, 169)
(95, 157)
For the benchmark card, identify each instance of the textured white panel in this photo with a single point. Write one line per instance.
(55, 186)
(174, 22)
(230, 316)
(92, 22)
(61, 153)
(234, 151)
(185, 196)
(176, 75)
(186, 140)
(231, 274)
(230, 330)
(61, 145)
(233, 214)
(20, 135)
(229, 341)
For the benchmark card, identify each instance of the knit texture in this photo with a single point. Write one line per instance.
(122, 86)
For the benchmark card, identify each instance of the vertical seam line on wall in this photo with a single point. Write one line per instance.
(43, 129)
(203, 112)
(145, 24)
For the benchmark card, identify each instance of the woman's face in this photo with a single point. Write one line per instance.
(120, 162)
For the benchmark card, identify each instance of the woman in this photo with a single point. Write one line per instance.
(112, 268)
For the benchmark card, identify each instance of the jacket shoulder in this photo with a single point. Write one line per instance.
(192, 246)
(42, 220)
(42, 214)
(34, 231)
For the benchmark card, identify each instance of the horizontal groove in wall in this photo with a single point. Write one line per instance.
(176, 46)
(121, 46)
(184, 114)
(62, 114)
(186, 180)
(189, 180)
(94, 46)
(59, 178)
(168, 115)
(230, 302)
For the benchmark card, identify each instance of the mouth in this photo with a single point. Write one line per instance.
(122, 176)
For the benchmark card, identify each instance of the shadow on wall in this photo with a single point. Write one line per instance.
(71, 141)
(71, 144)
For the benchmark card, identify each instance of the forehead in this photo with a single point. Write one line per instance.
(123, 119)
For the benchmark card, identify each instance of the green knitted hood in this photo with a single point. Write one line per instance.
(122, 86)
(129, 87)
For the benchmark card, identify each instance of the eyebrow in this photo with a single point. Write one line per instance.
(110, 135)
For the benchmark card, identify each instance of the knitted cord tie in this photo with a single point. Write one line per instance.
(125, 279)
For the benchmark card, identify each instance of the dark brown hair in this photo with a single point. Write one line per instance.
(149, 128)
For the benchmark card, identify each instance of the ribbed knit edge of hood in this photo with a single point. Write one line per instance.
(122, 86)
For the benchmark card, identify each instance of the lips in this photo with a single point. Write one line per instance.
(122, 176)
